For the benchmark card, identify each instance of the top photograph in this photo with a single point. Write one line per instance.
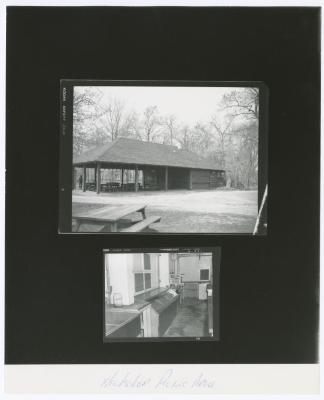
(158, 158)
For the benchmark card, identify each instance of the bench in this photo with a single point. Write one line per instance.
(140, 226)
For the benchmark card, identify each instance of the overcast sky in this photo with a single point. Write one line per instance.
(189, 104)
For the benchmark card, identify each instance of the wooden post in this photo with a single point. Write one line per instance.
(166, 181)
(98, 178)
(136, 178)
(122, 178)
(84, 178)
(113, 226)
(190, 179)
(144, 174)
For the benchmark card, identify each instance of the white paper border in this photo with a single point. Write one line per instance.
(164, 379)
(270, 379)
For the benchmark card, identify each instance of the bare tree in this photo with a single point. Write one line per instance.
(96, 137)
(242, 105)
(151, 123)
(222, 127)
(185, 138)
(170, 123)
(130, 125)
(249, 152)
(112, 118)
(203, 140)
(86, 111)
(242, 102)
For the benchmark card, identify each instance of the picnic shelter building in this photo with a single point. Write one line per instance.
(133, 165)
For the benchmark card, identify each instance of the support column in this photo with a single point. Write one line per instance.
(98, 178)
(190, 179)
(122, 178)
(166, 180)
(84, 178)
(144, 175)
(136, 178)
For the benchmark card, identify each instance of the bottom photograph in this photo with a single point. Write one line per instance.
(161, 294)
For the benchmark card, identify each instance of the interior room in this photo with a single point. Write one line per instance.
(154, 295)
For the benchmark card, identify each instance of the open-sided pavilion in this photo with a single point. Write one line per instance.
(132, 165)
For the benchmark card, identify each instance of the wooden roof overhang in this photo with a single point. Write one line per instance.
(115, 165)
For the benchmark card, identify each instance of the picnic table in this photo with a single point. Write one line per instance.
(110, 215)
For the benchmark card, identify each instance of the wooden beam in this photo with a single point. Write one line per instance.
(84, 178)
(136, 178)
(166, 181)
(98, 178)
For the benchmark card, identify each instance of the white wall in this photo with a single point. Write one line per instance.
(121, 273)
(136, 262)
(121, 276)
(190, 266)
(154, 269)
(164, 269)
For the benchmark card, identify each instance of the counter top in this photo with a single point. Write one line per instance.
(151, 294)
(116, 319)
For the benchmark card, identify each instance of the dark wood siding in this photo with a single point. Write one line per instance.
(153, 178)
(178, 178)
(214, 179)
(200, 179)
(205, 179)
(217, 179)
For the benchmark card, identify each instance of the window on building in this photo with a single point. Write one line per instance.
(143, 274)
(204, 274)
(147, 280)
(139, 282)
(147, 261)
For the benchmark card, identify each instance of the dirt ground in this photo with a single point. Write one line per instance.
(183, 211)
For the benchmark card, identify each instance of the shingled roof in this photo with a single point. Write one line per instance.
(131, 151)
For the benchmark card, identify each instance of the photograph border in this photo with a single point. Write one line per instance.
(216, 267)
(66, 145)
